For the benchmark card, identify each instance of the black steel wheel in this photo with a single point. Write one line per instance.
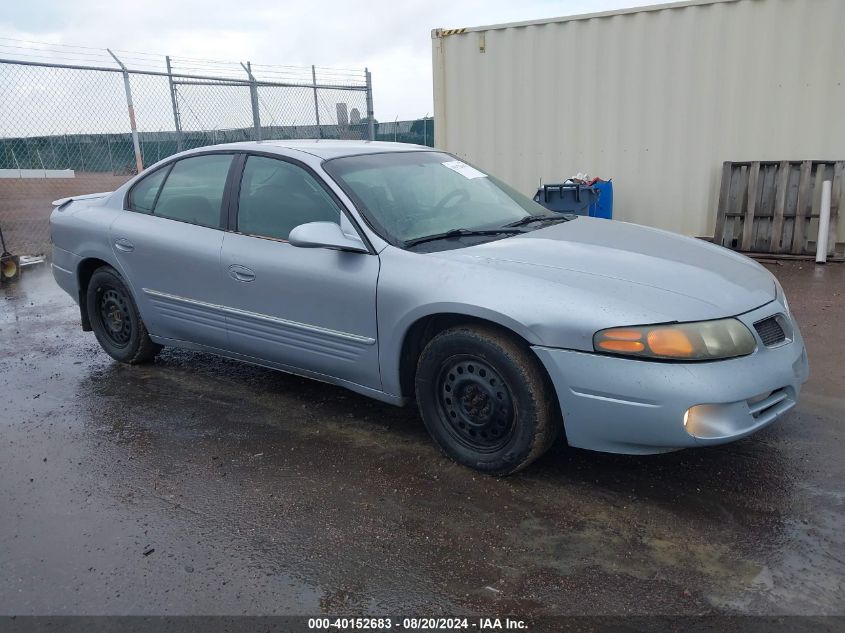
(476, 403)
(115, 318)
(485, 399)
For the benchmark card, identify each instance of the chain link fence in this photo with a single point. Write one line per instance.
(72, 129)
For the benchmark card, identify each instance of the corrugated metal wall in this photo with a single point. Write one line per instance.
(655, 98)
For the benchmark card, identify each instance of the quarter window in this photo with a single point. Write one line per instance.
(277, 196)
(193, 191)
(143, 195)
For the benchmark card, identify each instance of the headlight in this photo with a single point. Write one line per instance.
(705, 340)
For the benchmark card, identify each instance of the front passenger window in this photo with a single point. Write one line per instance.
(277, 196)
(193, 191)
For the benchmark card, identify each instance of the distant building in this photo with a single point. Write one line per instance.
(355, 116)
(342, 115)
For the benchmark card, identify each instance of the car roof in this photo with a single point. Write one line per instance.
(322, 148)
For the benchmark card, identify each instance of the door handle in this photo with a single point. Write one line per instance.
(122, 244)
(241, 273)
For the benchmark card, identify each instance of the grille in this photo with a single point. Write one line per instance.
(771, 404)
(770, 331)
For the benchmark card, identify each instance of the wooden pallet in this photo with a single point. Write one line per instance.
(768, 206)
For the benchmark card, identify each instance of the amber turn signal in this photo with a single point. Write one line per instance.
(621, 340)
(670, 342)
(622, 346)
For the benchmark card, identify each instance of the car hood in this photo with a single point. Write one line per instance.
(701, 279)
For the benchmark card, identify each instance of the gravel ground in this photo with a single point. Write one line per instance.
(197, 485)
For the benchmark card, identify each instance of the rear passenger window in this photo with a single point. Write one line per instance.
(193, 191)
(143, 195)
(277, 196)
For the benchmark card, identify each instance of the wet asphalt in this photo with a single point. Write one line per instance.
(198, 485)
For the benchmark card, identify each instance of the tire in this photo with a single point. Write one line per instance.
(115, 319)
(485, 400)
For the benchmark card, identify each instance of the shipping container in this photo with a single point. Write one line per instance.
(655, 98)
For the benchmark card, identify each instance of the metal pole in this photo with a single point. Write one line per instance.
(111, 161)
(253, 94)
(81, 153)
(316, 104)
(371, 126)
(139, 162)
(824, 223)
(180, 145)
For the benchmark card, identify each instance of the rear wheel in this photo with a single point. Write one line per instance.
(115, 319)
(485, 400)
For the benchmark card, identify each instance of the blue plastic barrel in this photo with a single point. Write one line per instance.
(603, 206)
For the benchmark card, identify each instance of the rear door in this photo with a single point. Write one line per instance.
(307, 308)
(168, 244)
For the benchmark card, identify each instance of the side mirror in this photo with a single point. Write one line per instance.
(325, 235)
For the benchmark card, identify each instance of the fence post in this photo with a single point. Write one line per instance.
(371, 126)
(179, 143)
(81, 153)
(111, 161)
(316, 104)
(253, 94)
(139, 163)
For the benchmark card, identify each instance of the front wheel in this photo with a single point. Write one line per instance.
(485, 400)
(115, 319)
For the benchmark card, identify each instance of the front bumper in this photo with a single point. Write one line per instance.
(620, 405)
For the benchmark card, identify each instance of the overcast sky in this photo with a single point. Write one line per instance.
(392, 39)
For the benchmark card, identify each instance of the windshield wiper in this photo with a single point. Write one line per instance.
(460, 233)
(528, 219)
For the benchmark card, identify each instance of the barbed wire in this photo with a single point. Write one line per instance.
(58, 52)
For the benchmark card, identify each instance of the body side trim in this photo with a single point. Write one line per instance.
(362, 340)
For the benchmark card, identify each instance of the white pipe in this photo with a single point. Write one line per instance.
(824, 224)
(136, 145)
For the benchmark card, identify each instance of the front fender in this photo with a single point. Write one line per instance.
(405, 296)
(546, 306)
(390, 347)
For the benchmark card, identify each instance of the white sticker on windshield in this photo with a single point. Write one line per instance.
(463, 169)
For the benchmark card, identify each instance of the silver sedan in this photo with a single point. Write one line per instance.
(405, 274)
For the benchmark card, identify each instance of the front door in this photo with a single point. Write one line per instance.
(306, 308)
(168, 246)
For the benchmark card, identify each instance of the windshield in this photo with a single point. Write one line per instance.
(407, 196)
